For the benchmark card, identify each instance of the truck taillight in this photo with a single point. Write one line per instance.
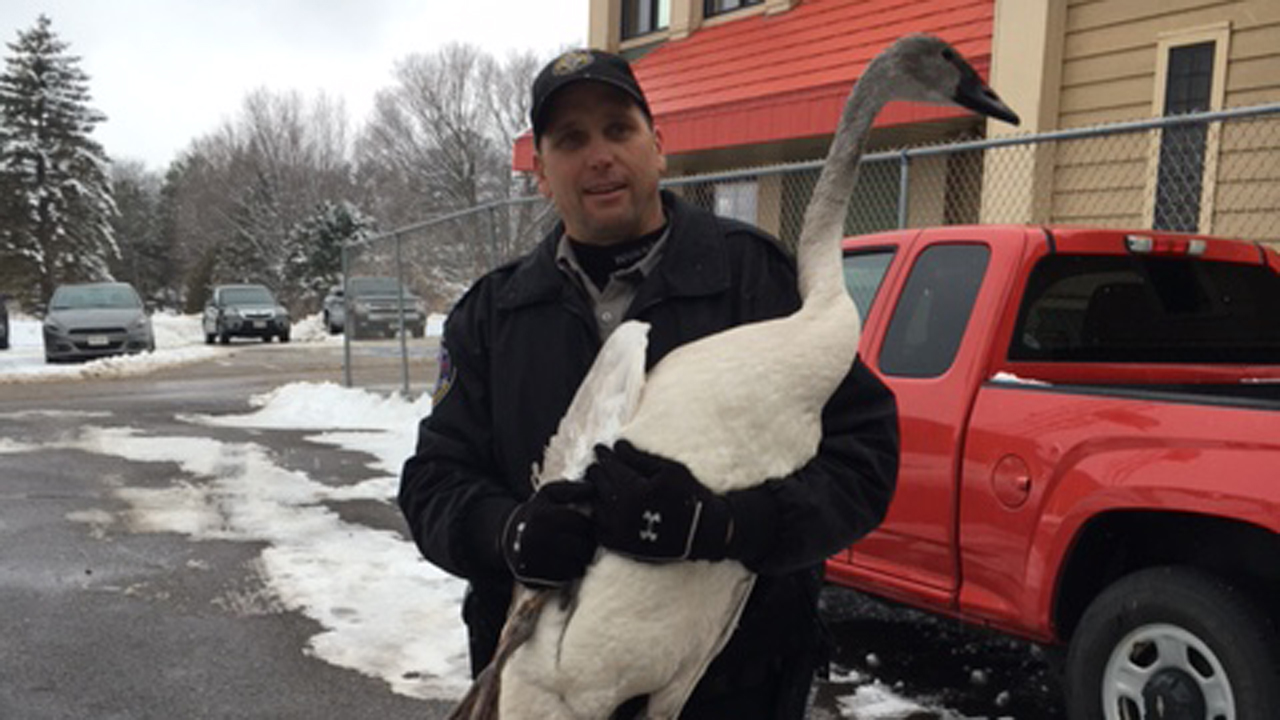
(1163, 246)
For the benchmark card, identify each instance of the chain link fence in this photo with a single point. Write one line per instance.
(1212, 173)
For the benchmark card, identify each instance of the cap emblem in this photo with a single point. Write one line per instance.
(571, 62)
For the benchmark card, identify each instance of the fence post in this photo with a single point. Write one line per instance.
(493, 238)
(904, 183)
(404, 342)
(346, 317)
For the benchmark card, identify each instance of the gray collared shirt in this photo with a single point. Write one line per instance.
(609, 306)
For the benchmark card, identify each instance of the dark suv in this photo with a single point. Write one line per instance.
(244, 311)
(373, 304)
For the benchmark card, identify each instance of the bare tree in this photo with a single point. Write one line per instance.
(516, 227)
(235, 196)
(439, 143)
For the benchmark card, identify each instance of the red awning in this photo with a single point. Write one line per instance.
(770, 78)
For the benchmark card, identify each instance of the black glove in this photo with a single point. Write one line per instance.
(652, 508)
(547, 542)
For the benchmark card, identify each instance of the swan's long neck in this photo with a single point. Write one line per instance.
(818, 250)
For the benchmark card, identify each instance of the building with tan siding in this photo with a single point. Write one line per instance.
(1081, 63)
(746, 83)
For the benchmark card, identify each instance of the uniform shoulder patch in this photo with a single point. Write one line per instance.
(444, 381)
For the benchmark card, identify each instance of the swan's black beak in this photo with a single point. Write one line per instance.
(974, 94)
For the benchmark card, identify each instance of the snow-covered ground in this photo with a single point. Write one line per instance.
(179, 341)
(364, 586)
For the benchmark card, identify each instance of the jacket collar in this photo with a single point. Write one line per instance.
(694, 261)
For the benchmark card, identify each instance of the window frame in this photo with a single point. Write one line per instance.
(732, 197)
(626, 33)
(1219, 34)
(710, 8)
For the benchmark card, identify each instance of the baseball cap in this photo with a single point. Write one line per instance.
(577, 65)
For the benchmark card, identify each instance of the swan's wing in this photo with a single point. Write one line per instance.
(604, 402)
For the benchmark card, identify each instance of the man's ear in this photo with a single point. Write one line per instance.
(540, 174)
(658, 143)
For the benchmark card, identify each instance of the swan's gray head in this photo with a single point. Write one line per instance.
(927, 69)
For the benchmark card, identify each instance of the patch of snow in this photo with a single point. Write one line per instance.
(179, 341)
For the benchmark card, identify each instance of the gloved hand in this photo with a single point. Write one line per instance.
(547, 542)
(654, 509)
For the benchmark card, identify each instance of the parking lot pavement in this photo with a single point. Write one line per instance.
(103, 622)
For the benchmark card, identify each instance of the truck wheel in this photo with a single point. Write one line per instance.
(1174, 643)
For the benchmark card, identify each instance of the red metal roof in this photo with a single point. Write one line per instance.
(769, 78)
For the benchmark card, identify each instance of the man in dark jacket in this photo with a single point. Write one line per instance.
(519, 342)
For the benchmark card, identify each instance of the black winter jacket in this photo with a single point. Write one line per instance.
(516, 347)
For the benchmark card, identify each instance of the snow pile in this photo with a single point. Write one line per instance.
(179, 341)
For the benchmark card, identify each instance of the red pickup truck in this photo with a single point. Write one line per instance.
(1090, 454)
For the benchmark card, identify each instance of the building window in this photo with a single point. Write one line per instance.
(641, 17)
(718, 7)
(737, 200)
(1180, 178)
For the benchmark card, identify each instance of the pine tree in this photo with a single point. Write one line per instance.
(54, 185)
(145, 260)
(314, 260)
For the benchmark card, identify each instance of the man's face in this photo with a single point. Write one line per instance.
(599, 161)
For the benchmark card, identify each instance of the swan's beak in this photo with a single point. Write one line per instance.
(974, 94)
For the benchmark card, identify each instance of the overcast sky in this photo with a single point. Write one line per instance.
(168, 71)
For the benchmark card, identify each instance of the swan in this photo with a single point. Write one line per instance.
(733, 409)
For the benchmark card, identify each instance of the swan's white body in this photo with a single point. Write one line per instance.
(638, 628)
(737, 408)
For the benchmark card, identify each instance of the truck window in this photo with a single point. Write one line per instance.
(1148, 309)
(930, 318)
(863, 273)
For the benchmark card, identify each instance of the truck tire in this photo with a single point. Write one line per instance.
(1175, 643)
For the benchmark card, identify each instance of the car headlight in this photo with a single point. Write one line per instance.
(232, 312)
(142, 324)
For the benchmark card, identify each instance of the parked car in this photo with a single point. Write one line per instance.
(244, 311)
(1090, 443)
(374, 304)
(4, 322)
(91, 320)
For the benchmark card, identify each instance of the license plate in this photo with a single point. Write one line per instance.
(98, 340)
(259, 324)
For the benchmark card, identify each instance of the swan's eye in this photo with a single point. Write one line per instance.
(949, 55)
